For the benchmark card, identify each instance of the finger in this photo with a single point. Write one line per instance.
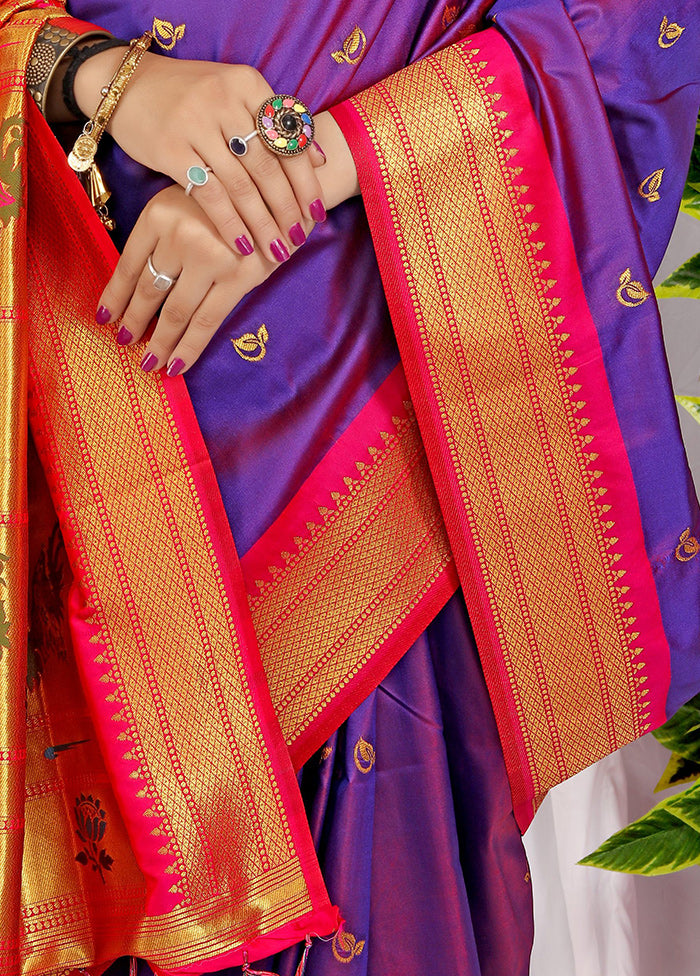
(125, 277)
(146, 298)
(301, 174)
(203, 326)
(217, 204)
(178, 309)
(261, 193)
(266, 170)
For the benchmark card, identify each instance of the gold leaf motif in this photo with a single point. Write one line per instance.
(11, 143)
(251, 347)
(669, 32)
(364, 755)
(649, 187)
(688, 547)
(165, 34)
(449, 14)
(631, 293)
(355, 42)
(326, 753)
(345, 946)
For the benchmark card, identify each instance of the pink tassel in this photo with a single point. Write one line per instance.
(132, 966)
(301, 968)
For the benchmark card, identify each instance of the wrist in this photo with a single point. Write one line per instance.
(338, 177)
(92, 76)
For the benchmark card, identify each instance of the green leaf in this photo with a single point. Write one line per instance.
(681, 733)
(657, 843)
(691, 404)
(690, 201)
(684, 281)
(678, 771)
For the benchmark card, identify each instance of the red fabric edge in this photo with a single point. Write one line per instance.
(363, 432)
(325, 918)
(554, 231)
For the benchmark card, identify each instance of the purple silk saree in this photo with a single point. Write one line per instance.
(414, 829)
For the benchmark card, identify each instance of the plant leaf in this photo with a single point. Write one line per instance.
(657, 843)
(678, 771)
(684, 282)
(692, 405)
(681, 733)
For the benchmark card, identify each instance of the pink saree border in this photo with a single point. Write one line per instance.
(652, 656)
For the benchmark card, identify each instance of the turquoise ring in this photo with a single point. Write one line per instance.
(197, 176)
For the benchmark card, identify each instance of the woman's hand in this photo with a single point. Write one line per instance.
(211, 279)
(176, 114)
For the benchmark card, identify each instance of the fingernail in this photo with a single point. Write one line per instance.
(175, 367)
(244, 245)
(319, 150)
(279, 251)
(124, 337)
(297, 235)
(102, 315)
(317, 211)
(148, 362)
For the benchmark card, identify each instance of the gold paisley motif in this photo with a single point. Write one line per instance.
(252, 347)
(11, 141)
(687, 548)
(345, 946)
(326, 753)
(353, 49)
(649, 187)
(669, 32)
(364, 755)
(165, 34)
(449, 14)
(631, 293)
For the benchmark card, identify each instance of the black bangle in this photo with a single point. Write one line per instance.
(80, 57)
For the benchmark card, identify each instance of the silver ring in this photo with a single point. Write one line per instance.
(239, 144)
(197, 176)
(161, 281)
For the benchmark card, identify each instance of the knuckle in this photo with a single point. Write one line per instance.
(241, 184)
(126, 271)
(174, 316)
(267, 166)
(203, 326)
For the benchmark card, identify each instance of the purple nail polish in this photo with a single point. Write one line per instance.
(102, 315)
(124, 337)
(244, 245)
(279, 251)
(297, 235)
(319, 150)
(149, 362)
(317, 211)
(176, 367)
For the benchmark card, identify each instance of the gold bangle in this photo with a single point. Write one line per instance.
(82, 155)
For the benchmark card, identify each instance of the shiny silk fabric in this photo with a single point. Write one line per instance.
(342, 338)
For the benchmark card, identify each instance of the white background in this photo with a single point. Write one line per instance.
(590, 922)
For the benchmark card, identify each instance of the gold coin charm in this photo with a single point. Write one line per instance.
(82, 154)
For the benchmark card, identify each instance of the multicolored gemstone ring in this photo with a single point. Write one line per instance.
(285, 125)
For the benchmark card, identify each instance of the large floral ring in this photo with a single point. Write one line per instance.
(285, 125)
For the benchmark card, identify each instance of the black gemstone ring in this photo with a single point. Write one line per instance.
(285, 125)
(239, 144)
